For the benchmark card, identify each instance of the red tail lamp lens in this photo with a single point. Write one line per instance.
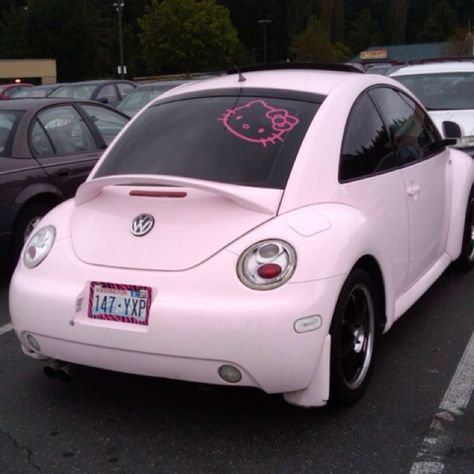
(269, 271)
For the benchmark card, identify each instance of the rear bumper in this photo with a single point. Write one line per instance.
(199, 320)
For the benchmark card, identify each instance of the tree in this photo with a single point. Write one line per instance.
(313, 44)
(440, 25)
(188, 36)
(364, 33)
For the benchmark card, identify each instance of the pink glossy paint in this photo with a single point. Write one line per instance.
(241, 122)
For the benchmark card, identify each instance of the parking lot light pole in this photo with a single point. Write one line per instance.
(119, 7)
(265, 22)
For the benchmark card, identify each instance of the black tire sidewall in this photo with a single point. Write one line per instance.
(340, 392)
(24, 218)
(463, 263)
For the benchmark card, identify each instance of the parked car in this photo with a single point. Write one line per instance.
(7, 91)
(47, 148)
(144, 94)
(446, 88)
(259, 229)
(36, 91)
(109, 92)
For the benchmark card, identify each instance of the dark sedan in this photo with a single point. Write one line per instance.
(110, 92)
(47, 149)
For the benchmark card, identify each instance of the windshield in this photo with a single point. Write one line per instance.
(8, 120)
(138, 99)
(446, 91)
(245, 140)
(74, 92)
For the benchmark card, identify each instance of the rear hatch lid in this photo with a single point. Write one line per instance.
(191, 222)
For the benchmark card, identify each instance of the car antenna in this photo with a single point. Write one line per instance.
(242, 78)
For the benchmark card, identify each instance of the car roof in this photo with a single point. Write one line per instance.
(164, 83)
(97, 82)
(28, 103)
(299, 78)
(435, 68)
(15, 84)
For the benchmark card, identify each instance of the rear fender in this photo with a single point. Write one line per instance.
(329, 239)
(462, 182)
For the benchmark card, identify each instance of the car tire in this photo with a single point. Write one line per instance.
(353, 337)
(465, 261)
(24, 225)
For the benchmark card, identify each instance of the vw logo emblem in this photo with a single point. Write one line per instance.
(142, 224)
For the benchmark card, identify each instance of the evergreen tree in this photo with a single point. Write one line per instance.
(440, 24)
(188, 36)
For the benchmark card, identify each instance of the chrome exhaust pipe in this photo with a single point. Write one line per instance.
(67, 371)
(52, 367)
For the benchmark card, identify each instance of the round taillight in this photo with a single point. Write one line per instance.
(269, 271)
(267, 264)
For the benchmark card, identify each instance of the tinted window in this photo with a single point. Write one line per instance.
(250, 141)
(66, 130)
(108, 122)
(413, 134)
(366, 148)
(8, 121)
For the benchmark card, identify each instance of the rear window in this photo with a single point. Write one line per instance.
(8, 121)
(244, 140)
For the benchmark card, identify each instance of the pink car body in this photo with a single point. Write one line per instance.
(403, 227)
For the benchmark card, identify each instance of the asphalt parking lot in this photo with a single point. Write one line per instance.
(104, 422)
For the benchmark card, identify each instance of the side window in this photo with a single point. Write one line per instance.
(125, 89)
(108, 122)
(40, 142)
(412, 131)
(8, 121)
(108, 92)
(66, 130)
(366, 148)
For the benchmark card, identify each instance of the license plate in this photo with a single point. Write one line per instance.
(123, 303)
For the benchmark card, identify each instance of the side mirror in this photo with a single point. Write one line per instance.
(451, 129)
(448, 142)
(103, 100)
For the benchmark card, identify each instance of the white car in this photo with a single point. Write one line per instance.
(446, 89)
(258, 229)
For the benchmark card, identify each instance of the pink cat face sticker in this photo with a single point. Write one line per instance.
(258, 122)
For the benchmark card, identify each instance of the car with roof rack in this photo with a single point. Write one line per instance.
(258, 229)
(446, 89)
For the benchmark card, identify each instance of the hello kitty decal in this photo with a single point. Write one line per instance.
(246, 122)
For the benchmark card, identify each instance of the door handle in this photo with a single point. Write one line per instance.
(413, 190)
(64, 172)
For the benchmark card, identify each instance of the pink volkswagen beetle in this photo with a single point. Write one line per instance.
(259, 229)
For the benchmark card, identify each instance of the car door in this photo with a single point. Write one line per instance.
(372, 182)
(424, 164)
(64, 146)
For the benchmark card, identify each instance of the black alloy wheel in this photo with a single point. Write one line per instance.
(353, 337)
